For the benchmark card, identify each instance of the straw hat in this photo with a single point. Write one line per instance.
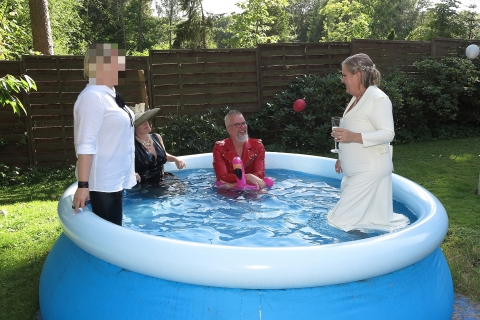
(141, 116)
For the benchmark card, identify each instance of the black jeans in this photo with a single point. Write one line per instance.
(108, 205)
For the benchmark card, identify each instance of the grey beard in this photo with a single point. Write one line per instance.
(242, 138)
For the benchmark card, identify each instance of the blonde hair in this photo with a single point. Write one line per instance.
(360, 62)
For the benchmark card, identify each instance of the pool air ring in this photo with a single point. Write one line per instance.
(98, 270)
(239, 170)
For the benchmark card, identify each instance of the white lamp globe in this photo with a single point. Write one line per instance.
(472, 51)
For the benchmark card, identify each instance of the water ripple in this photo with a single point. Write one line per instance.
(291, 213)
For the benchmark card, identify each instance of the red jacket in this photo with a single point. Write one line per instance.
(253, 157)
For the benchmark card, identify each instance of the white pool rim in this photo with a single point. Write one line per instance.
(263, 267)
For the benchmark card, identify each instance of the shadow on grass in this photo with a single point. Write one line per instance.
(34, 192)
(35, 184)
(27, 196)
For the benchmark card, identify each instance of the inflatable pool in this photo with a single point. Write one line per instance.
(97, 270)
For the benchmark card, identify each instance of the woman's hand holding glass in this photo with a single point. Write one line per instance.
(341, 135)
(346, 136)
(336, 124)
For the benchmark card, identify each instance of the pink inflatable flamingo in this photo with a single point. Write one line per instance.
(239, 171)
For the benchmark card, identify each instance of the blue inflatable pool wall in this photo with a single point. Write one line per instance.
(97, 270)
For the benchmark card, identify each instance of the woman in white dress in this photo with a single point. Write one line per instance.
(365, 157)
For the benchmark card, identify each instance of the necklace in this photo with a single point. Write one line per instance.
(355, 102)
(146, 144)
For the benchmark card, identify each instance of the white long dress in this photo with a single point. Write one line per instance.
(366, 189)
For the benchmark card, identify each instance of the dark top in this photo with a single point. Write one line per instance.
(147, 166)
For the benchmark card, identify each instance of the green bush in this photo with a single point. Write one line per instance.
(448, 89)
(13, 176)
(440, 101)
(10, 86)
(310, 129)
(407, 110)
(192, 134)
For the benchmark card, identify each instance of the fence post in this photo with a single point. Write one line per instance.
(143, 88)
(151, 88)
(433, 47)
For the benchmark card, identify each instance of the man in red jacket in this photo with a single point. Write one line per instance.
(251, 151)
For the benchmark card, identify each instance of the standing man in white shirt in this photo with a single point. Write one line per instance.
(103, 136)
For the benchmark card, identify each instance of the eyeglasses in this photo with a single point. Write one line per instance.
(239, 124)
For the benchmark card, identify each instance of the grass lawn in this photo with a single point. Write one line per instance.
(448, 169)
(27, 233)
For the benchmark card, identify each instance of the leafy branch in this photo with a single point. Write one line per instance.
(9, 86)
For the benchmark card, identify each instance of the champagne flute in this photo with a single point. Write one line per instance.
(336, 124)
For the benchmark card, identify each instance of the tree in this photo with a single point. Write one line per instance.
(316, 22)
(385, 16)
(169, 9)
(102, 21)
(153, 32)
(253, 25)
(130, 23)
(410, 15)
(300, 12)
(142, 10)
(195, 31)
(68, 31)
(40, 22)
(148, 29)
(221, 27)
(280, 25)
(445, 23)
(345, 20)
(441, 21)
(471, 22)
(15, 32)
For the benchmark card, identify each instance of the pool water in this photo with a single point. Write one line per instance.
(291, 213)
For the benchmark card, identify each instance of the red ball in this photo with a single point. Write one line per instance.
(299, 105)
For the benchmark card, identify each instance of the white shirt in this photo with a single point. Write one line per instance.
(103, 129)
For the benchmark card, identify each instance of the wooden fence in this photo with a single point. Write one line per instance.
(183, 82)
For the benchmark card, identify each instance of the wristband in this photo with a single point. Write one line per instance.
(82, 184)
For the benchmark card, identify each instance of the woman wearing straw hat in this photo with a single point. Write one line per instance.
(150, 153)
